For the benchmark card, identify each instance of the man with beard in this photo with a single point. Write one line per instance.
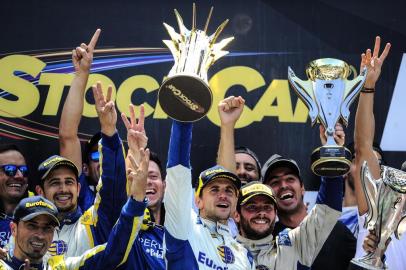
(69, 143)
(291, 249)
(283, 176)
(35, 221)
(59, 183)
(199, 240)
(13, 186)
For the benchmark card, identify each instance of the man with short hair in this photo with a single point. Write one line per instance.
(283, 176)
(292, 249)
(13, 186)
(35, 220)
(203, 240)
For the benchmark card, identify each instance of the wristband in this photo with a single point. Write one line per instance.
(368, 90)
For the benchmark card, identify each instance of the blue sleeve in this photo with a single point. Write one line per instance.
(86, 195)
(179, 144)
(115, 251)
(331, 192)
(111, 190)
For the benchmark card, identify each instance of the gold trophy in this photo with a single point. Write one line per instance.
(185, 94)
(328, 94)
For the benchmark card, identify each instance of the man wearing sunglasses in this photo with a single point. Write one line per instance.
(13, 186)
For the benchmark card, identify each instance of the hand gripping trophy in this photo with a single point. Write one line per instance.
(328, 94)
(185, 94)
(386, 199)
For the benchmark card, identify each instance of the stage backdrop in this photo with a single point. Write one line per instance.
(36, 71)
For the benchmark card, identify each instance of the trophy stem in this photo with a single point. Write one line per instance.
(208, 20)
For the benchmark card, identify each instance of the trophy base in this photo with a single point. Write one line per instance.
(356, 264)
(185, 98)
(331, 161)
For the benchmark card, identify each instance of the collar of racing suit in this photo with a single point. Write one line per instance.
(214, 227)
(17, 264)
(255, 246)
(71, 218)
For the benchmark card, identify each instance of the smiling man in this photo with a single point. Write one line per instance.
(13, 186)
(200, 240)
(293, 249)
(35, 221)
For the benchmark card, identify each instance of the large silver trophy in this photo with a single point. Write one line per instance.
(185, 94)
(386, 199)
(328, 94)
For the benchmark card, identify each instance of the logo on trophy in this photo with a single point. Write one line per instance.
(185, 94)
(386, 199)
(328, 95)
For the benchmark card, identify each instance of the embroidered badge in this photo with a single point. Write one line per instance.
(226, 254)
(284, 239)
(58, 247)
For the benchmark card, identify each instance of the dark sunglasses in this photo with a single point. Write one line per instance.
(11, 170)
(94, 156)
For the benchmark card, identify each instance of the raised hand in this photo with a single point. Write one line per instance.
(82, 56)
(137, 173)
(136, 135)
(373, 61)
(339, 134)
(105, 109)
(230, 109)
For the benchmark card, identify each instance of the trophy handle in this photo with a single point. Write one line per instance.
(304, 89)
(370, 191)
(352, 89)
(401, 228)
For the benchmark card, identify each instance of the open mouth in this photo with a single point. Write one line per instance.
(37, 245)
(260, 221)
(63, 198)
(150, 192)
(223, 205)
(286, 196)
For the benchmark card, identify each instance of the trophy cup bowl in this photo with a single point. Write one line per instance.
(328, 94)
(386, 199)
(185, 94)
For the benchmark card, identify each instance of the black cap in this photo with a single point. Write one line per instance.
(31, 207)
(214, 173)
(255, 188)
(277, 161)
(246, 150)
(52, 163)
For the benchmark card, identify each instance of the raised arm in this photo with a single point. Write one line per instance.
(115, 251)
(230, 110)
(111, 190)
(178, 192)
(365, 121)
(69, 144)
(136, 136)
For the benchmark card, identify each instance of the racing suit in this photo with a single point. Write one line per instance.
(102, 257)
(297, 248)
(192, 242)
(79, 231)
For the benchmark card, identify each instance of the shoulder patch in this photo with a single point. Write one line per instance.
(283, 238)
(57, 262)
(87, 217)
(58, 247)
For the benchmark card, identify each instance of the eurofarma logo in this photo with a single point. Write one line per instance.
(20, 76)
